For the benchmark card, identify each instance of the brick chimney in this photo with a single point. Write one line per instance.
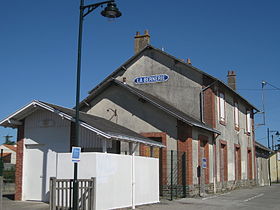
(141, 41)
(232, 79)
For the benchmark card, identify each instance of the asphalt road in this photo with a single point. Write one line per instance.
(259, 198)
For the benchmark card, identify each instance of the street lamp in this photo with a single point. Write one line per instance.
(110, 11)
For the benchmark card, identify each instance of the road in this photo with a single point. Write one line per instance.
(259, 198)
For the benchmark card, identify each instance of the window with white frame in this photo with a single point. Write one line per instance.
(236, 115)
(248, 121)
(222, 111)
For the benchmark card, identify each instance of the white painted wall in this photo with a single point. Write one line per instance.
(45, 135)
(114, 177)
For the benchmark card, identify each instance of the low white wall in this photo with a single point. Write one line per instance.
(113, 174)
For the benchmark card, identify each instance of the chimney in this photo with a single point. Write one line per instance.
(232, 79)
(189, 61)
(141, 41)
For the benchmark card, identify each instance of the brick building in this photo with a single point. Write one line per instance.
(205, 122)
(207, 128)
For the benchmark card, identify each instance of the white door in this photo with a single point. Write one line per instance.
(34, 174)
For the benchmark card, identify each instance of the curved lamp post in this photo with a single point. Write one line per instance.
(110, 11)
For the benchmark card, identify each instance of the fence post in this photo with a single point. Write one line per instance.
(92, 194)
(184, 177)
(171, 182)
(52, 193)
(1, 191)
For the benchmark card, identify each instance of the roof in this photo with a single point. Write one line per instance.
(100, 126)
(158, 103)
(149, 47)
(5, 154)
(259, 145)
(11, 147)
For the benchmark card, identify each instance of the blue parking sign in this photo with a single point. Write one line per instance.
(76, 153)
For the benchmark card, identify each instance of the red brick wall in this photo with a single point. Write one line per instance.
(19, 162)
(184, 144)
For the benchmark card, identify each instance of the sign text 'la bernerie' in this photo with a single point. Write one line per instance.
(151, 79)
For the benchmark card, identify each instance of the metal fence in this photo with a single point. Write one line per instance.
(173, 184)
(61, 194)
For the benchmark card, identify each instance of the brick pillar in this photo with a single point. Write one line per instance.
(184, 144)
(19, 162)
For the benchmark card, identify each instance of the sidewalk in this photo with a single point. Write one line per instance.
(9, 204)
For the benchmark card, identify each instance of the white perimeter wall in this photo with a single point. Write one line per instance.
(113, 174)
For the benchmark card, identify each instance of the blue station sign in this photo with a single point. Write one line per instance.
(76, 154)
(151, 79)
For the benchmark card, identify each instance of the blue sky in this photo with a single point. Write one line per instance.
(39, 43)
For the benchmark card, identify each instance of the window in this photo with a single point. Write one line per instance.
(236, 116)
(248, 122)
(222, 107)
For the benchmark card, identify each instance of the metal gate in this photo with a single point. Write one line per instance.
(61, 194)
(174, 184)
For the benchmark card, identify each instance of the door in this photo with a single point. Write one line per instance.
(249, 159)
(223, 164)
(237, 164)
(202, 163)
(34, 173)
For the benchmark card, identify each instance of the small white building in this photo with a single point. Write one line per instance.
(45, 137)
(9, 153)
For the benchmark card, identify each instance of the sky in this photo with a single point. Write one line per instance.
(38, 48)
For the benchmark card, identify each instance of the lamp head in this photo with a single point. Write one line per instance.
(111, 11)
